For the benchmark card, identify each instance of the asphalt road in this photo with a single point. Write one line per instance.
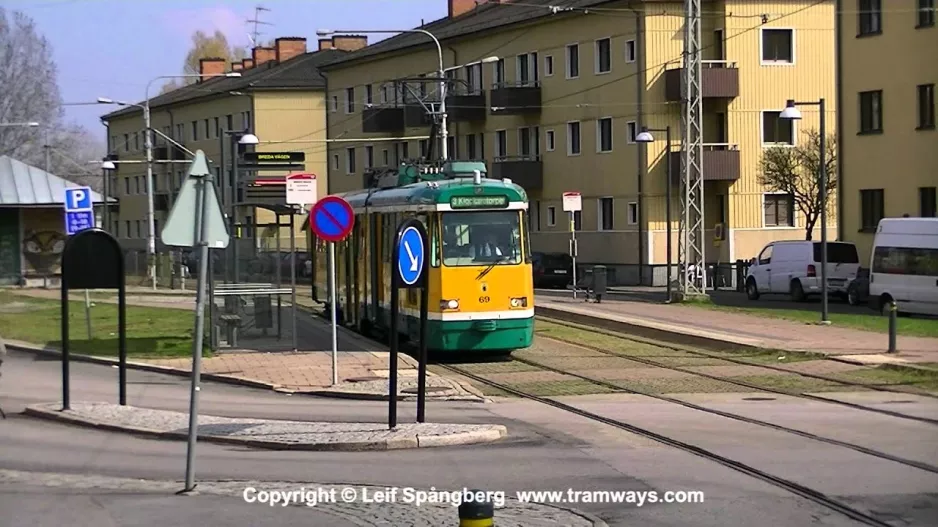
(546, 450)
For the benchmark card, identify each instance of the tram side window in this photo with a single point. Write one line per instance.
(906, 261)
(526, 221)
(433, 226)
(481, 238)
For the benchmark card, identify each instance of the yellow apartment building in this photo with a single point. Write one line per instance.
(888, 140)
(279, 97)
(560, 110)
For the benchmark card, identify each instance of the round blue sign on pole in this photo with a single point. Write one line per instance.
(410, 256)
(332, 218)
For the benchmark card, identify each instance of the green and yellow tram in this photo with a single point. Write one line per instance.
(480, 280)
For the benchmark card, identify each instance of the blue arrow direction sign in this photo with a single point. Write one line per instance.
(79, 210)
(410, 255)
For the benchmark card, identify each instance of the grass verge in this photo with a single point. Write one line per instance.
(151, 332)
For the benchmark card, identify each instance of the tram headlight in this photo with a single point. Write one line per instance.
(519, 302)
(449, 304)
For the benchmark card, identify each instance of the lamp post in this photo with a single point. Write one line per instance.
(441, 71)
(791, 112)
(646, 137)
(106, 167)
(151, 222)
(242, 137)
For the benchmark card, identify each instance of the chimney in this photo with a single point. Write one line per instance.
(325, 43)
(461, 7)
(212, 66)
(237, 66)
(289, 47)
(349, 42)
(262, 55)
(247, 63)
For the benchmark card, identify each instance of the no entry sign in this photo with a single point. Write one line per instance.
(332, 218)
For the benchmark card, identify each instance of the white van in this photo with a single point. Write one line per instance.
(904, 265)
(794, 268)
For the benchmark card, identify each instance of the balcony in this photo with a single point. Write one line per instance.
(382, 119)
(525, 171)
(720, 162)
(516, 98)
(719, 80)
(465, 105)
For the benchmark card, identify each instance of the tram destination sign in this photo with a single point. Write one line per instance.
(274, 157)
(479, 202)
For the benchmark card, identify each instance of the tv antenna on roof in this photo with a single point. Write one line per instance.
(257, 21)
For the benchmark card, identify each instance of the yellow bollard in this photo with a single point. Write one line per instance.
(476, 513)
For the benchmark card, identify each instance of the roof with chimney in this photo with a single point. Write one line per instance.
(300, 72)
(484, 17)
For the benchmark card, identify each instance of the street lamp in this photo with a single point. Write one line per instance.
(242, 137)
(151, 221)
(441, 72)
(791, 112)
(106, 167)
(645, 137)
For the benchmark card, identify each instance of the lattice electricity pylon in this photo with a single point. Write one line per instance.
(691, 239)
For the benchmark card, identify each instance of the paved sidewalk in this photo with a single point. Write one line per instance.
(750, 331)
(269, 433)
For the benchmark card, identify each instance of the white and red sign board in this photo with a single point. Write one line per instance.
(301, 189)
(572, 201)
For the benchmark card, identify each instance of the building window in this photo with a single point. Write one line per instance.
(247, 120)
(335, 161)
(424, 146)
(368, 95)
(549, 138)
(778, 46)
(217, 127)
(385, 158)
(452, 148)
(229, 122)
(127, 186)
(872, 208)
(334, 106)
(405, 150)
(926, 13)
(180, 133)
(127, 228)
(139, 229)
(573, 138)
(777, 210)
(498, 72)
(474, 78)
(573, 61)
(548, 65)
(927, 206)
(501, 143)
(630, 51)
(605, 214)
(208, 129)
(578, 220)
(136, 141)
(633, 213)
(349, 100)
(603, 55)
(126, 142)
(551, 216)
(471, 153)
(926, 106)
(604, 135)
(527, 69)
(369, 156)
(871, 112)
(195, 130)
(871, 17)
(631, 131)
(777, 131)
(526, 145)
(350, 160)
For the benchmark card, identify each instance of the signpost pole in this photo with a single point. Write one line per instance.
(88, 313)
(573, 250)
(65, 350)
(422, 358)
(293, 276)
(392, 367)
(332, 296)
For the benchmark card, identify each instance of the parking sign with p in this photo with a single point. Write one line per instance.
(79, 210)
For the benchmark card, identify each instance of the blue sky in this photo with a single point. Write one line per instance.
(113, 48)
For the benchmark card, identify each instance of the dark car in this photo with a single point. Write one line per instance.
(858, 292)
(552, 269)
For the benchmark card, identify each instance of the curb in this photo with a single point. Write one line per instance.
(418, 441)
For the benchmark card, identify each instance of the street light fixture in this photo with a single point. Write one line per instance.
(248, 139)
(30, 124)
(645, 137)
(791, 112)
(151, 220)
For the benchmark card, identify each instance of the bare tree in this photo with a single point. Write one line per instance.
(205, 46)
(796, 171)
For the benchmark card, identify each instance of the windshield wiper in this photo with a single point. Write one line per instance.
(498, 260)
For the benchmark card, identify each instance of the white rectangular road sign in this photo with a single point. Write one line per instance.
(301, 189)
(572, 201)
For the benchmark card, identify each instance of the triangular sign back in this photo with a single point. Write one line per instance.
(181, 226)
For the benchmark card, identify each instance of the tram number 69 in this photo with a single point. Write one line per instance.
(484, 300)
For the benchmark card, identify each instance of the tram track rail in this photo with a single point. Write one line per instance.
(788, 485)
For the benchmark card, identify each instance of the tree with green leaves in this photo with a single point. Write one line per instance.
(796, 171)
(205, 46)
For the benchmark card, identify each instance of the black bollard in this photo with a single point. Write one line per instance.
(893, 310)
(476, 511)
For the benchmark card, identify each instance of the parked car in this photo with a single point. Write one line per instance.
(552, 269)
(858, 292)
(794, 268)
(904, 265)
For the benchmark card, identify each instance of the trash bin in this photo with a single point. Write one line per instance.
(599, 282)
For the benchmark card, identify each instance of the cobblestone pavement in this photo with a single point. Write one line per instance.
(272, 433)
(399, 513)
(742, 328)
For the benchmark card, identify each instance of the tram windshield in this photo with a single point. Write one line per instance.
(481, 238)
